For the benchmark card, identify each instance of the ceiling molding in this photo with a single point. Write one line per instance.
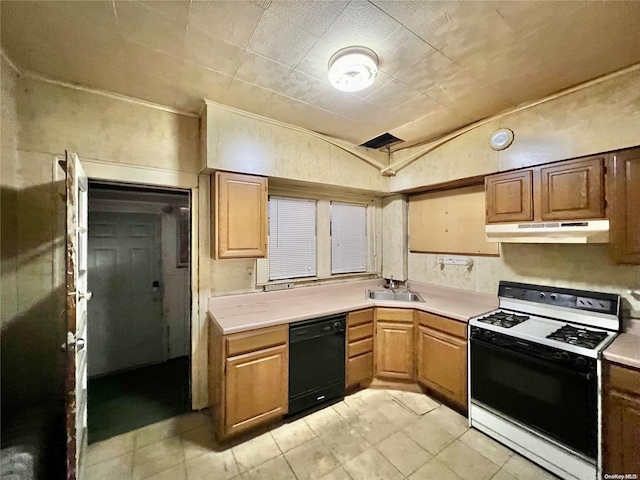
(352, 149)
(9, 61)
(400, 164)
(104, 93)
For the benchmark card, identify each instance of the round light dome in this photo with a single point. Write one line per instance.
(501, 139)
(353, 69)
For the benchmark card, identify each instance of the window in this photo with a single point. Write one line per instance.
(348, 238)
(292, 238)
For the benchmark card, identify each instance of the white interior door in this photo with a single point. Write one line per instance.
(77, 297)
(126, 271)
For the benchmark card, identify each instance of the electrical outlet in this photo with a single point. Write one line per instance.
(277, 286)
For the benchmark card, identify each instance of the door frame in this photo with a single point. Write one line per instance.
(198, 187)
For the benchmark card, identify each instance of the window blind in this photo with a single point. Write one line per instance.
(292, 238)
(348, 238)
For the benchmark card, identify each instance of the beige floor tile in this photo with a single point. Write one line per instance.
(433, 470)
(242, 476)
(371, 465)
(351, 409)
(418, 403)
(275, 469)
(108, 449)
(119, 467)
(503, 475)
(448, 419)
(178, 472)
(290, 435)
(156, 432)
(405, 454)
(375, 396)
(256, 451)
(198, 441)
(486, 446)
(338, 474)
(396, 413)
(429, 435)
(311, 460)
(374, 426)
(192, 420)
(156, 458)
(466, 462)
(323, 420)
(344, 442)
(523, 469)
(213, 465)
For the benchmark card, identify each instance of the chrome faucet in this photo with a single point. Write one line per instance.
(406, 286)
(392, 284)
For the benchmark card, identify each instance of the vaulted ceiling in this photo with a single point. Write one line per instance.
(443, 64)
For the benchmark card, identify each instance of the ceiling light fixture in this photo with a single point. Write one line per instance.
(353, 69)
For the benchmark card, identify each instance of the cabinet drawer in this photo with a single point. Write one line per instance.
(256, 339)
(621, 378)
(358, 348)
(394, 315)
(446, 325)
(359, 368)
(361, 331)
(359, 317)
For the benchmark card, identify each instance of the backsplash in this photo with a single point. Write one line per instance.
(585, 267)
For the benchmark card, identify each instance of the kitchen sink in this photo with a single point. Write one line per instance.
(398, 296)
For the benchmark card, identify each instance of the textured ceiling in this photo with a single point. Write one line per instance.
(443, 64)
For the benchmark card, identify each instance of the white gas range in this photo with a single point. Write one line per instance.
(534, 374)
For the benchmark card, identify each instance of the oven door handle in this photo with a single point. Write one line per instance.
(531, 358)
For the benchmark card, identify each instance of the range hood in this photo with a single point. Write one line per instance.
(589, 231)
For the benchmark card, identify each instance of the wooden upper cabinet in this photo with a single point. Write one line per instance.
(573, 189)
(240, 215)
(624, 206)
(509, 197)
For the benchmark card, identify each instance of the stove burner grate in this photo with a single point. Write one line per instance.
(578, 336)
(504, 319)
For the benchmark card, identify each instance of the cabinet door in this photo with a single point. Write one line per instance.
(573, 189)
(509, 197)
(240, 216)
(256, 388)
(442, 364)
(621, 432)
(394, 350)
(624, 195)
(359, 369)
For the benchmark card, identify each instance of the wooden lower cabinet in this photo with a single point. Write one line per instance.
(359, 353)
(394, 350)
(248, 378)
(621, 420)
(256, 388)
(624, 196)
(442, 356)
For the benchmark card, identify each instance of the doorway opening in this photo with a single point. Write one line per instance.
(139, 328)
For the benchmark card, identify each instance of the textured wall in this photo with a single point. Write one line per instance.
(599, 118)
(596, 119)
(54, 118)
(394, 246)
(243, 144)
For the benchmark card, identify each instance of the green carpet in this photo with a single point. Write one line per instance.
(124, 401)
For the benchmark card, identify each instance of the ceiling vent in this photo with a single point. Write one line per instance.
(384, 140)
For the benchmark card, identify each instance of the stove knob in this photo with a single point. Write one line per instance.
(487, 334)
(554, 296)
(581, 362)
(564, 356)
(336, 325)
(542, 295)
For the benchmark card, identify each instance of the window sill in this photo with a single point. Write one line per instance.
(338, 278)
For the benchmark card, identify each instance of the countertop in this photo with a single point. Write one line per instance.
(625, 349)
(238, 313)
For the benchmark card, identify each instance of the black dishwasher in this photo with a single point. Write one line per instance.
(316, 361)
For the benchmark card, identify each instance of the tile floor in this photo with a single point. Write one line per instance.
(372, 434)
